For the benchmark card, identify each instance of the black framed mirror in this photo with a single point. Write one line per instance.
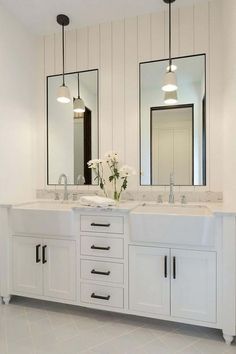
(72, 137)
(173, 132)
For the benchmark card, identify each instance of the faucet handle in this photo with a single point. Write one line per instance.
(183, 199)
(74, 197)
(160, 199)
(57, 196)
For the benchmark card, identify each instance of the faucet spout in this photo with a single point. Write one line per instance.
(64, 177)
(171, 195)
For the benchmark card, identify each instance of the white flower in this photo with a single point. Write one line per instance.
(126, 171)
(94, 163)
(111, 156)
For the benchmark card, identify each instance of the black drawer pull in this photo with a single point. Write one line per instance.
(100, 273)
(165, 267)
(38, 260)
(174, 267)
(94, 296)
(44, 254)
(101, 225)
(93, 247)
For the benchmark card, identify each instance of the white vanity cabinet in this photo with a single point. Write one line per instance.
(175, 282)
(44, 267)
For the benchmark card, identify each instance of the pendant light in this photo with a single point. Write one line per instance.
(63, 94)
(78, 104)
(171, 98)
(170, 82)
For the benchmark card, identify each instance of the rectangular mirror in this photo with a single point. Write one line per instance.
(72, 138)
(173, 135)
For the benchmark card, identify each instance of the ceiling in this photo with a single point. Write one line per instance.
(40, 15)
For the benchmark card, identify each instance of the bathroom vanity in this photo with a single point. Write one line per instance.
(159, 261)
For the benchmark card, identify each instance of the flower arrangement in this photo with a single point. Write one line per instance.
(108, 173)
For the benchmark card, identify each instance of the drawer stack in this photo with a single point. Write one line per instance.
(102, 260)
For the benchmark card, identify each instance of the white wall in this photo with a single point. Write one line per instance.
(18, 94)
(229, 100)
(116, 49)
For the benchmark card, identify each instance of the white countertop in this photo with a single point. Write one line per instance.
(124, 206)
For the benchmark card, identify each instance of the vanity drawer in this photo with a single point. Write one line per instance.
(102, 224)
(102, 247)
(102, 271)
(102, 295)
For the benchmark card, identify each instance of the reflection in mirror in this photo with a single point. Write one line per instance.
(72, 137)
(173, 132)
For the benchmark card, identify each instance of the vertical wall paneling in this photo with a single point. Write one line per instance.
(82, 49)
(70, 52)
(144, 38)
(49, 55)
(186, 30)
(58, 52)
(215, 95)
(201, 27)
(105, 92)
(157, 36)
(94, 47)
(117, 49)
(131, 97)
(118, 77)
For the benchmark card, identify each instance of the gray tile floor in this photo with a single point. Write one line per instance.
(37, 327)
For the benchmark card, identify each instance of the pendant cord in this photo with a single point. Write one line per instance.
(170, 37)
(63, 54)
(78, 87)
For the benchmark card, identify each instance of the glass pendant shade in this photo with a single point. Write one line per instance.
(170, 82)
(79, 106)
(63, 94)
(171, 98)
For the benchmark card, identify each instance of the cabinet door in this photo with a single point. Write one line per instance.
(26, 265)
(193, 285)
(149, 280)
(59, 269)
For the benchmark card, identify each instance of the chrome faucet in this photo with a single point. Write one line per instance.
(66, 194)
(171, 195)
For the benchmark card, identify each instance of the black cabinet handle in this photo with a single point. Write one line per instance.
(165, 266)
(44, 254)
(100, 273)
(94, 296)
(38, 260)
(101, 225)
(174, 267)
(93, 247)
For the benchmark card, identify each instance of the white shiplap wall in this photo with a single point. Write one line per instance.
(116, 49)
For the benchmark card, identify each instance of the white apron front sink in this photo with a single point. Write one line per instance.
(43, 218)
(181, 225)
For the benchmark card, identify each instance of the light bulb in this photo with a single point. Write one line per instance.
(172, 68)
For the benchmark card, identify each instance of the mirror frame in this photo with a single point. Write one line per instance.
(47, 122)
(204, 124)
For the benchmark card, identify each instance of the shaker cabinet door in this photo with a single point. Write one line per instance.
(26, 265)
(193, 285)
(59, 269)
(149, 280)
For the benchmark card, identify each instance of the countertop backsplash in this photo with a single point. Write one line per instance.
(139, 195)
